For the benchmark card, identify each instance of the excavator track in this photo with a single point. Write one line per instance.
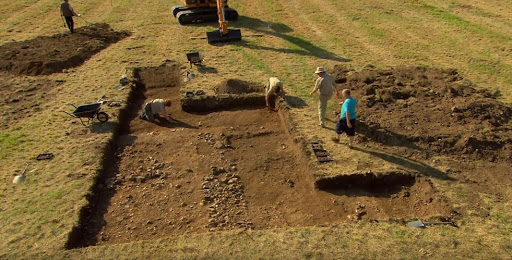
(201, 15)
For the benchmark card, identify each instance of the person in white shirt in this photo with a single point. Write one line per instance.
(274, 90)
(326, 85)
(155, 107)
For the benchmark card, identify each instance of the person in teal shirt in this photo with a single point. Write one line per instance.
(347, 122)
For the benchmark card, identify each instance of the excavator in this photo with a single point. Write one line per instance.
(199, 11)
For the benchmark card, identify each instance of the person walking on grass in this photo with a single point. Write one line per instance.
(347, 122)
(67, 12)
(154, 108)
(326, 85)
(273, 91)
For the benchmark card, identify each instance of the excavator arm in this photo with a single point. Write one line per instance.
(223, 34)
(223, 23)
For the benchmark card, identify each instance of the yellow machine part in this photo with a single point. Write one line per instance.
(199, 3)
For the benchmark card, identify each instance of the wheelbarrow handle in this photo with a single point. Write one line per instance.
(68, 114)
(72, 105)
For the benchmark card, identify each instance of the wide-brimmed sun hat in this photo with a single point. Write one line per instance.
(319, 70)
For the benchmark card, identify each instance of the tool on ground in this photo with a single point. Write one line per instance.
(20, 178)
(321, 154)
(195, 58)
(203, 11)
(45, 156)
(421, 224)
(89, 111)
(189, 94)
(124, 78)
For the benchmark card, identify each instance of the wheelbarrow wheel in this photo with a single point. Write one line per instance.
(102, 117)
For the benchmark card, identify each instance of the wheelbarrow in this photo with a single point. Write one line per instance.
(195, 58)
(90, 112)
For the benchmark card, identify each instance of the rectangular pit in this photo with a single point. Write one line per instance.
(198, 173)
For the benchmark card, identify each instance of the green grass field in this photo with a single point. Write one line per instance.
(473, 36)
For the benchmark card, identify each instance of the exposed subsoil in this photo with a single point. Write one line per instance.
(195, 173)
(435, 111)
(22, 97)
(45, 55)
(236, 86)
(439, 118)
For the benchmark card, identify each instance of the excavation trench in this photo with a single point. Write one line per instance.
(228, 165)
(381, 183)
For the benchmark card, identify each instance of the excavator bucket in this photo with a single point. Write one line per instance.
(216, 36)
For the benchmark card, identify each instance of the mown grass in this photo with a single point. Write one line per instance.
(37, 216)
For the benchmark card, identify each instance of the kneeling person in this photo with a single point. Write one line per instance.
(273, 91)
(154, 108)
(347, 122)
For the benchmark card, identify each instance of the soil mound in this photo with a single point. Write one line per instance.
(51, 54)
(433, 109)
(236, 86)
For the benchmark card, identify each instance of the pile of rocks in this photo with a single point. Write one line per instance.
(224, 195)
(152, 169)
(218, 142)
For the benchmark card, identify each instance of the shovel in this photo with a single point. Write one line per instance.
(22, 177)
(88, 23)
(421, 224)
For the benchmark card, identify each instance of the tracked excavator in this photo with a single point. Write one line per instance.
(196, 11)
(202, 11)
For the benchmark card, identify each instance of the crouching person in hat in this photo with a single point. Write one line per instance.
(274, 93)
(154, 108)
(326, 85)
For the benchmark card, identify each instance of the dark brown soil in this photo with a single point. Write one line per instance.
(438, 118)
(21, 98)
(236, 86)
(51, 54)
(225, 170)
(436, 111)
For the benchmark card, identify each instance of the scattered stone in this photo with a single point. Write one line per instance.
(219, 145)
(217, 171)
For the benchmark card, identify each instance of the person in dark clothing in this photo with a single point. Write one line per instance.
(67, 12)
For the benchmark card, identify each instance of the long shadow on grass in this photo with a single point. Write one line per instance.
(385, 137)
(282, 31)
(407, 163)
(296, 102)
